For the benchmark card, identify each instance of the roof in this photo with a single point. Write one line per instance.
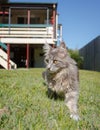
(53, 2)
(30, 4)
(33, 1)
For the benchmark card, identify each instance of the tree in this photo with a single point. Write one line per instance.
(75, 55)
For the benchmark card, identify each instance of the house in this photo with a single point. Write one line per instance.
(91, 54)
(24, 29)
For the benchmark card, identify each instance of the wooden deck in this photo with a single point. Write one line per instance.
(23, 34)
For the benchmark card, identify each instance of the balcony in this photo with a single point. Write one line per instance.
(26, 33)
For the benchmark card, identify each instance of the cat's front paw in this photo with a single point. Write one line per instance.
(75, 117)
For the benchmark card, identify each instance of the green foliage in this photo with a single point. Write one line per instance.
(23, 94)
(75, 55)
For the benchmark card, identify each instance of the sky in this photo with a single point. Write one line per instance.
(80, 20)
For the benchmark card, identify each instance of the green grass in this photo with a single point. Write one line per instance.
(23, 94)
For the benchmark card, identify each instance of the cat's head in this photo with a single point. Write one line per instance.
(56, 58)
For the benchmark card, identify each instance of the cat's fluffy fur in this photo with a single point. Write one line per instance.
(61, 76)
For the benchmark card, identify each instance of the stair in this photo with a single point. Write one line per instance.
(3, 58)
(3, 46)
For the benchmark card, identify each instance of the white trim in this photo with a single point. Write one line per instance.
(3, 60)
(27, 40)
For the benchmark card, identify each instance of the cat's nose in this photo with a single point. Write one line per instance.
(49, 68)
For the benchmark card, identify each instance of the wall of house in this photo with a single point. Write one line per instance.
(36, 54)
(91, 55)
(15, 13)
(40, 14)
(38, 57)
(3, 20)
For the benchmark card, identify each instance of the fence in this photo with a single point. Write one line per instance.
(91, 55)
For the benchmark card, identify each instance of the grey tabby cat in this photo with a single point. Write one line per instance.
(61, 76)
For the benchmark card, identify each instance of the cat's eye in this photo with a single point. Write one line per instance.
(55, 61)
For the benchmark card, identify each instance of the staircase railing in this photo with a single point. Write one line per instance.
(4, 46)
(3, 57)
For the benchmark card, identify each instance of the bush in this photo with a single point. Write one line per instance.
(75, 55)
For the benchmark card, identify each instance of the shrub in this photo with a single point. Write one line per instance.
(75, 55)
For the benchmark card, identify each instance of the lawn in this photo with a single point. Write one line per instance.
(24, 104)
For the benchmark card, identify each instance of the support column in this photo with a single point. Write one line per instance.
(8, 58)
(27, 56)
(28, 20)
(47, 16)
(54, 19)
(27, 46)
(9, 19)
(54, 23)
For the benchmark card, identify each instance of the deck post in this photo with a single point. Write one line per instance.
(27, 56)
(54, 23)
(54, 20)
(27, 46)
(8, 56)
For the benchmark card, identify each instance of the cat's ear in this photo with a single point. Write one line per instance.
(62, 50)
(63, 45)
(62, 53)
(47, 48)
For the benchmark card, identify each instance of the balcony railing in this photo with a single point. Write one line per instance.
(26, 33)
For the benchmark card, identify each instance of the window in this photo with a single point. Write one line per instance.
(21, 20)
(35, 20)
